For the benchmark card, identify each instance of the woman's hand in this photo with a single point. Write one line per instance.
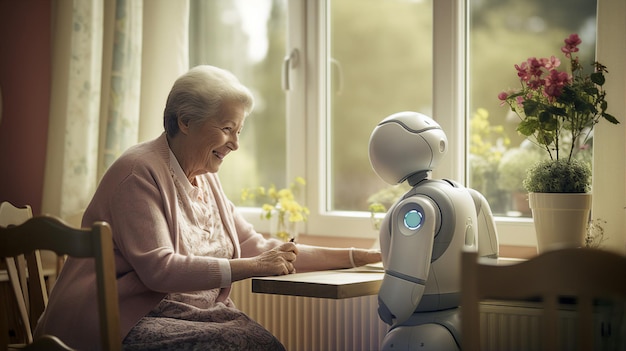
(277, 261)
(365, 256)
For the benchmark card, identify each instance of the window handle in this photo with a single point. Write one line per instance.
(335, 63)
(290, 61)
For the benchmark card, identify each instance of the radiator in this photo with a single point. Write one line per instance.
(304, 323)
(518, 326)
(315, 324)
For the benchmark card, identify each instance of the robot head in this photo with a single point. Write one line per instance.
(406, 143)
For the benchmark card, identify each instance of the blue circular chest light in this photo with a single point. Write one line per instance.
(413, 219)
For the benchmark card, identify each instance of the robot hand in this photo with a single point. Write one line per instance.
(487, 236)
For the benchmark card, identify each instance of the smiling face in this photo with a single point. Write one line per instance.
(201, 147)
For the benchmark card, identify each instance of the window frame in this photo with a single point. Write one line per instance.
(308, 118)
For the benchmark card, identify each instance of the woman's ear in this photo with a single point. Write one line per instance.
(183, 124)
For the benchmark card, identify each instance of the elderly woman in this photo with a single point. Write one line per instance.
(179, 242)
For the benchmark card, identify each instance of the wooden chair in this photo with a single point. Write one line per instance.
(16, 271)
(44, 343)
(585, 274)
(29, 309)
(50, 233)
(11, 214)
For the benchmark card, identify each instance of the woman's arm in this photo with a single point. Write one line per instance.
(317, 258)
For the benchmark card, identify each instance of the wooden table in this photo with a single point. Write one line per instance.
(335, 284)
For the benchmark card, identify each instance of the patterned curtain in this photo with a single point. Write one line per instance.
(100, 58)
(122, 115)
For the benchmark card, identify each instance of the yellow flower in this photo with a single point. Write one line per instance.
(280, 201)
(301, 181)
(285, 194)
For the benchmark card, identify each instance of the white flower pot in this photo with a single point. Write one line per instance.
(560, 219)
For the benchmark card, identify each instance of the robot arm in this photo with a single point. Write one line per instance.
(487, 236)
(412, 224)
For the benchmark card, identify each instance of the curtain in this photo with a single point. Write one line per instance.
(113, 64)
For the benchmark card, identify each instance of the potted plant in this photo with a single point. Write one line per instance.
(280, 207)
(558, 111)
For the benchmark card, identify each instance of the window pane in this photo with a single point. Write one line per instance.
(380, 63)
(504, 33)
(247, 37)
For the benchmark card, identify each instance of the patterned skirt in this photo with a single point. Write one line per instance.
(175, 325)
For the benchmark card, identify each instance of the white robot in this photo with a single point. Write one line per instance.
(423, 234)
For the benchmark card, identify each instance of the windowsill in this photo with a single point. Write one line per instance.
(513, 251)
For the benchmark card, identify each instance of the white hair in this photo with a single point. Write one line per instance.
(200, 94)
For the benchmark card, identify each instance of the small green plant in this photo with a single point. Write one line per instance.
(558, 176)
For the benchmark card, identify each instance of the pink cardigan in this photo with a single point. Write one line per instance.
(137, 197)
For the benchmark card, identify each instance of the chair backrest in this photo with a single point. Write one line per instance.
(12, 215)
(26, 301)
(50, 233)
(46, 343)
(585, 274)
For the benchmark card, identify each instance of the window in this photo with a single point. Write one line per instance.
(379, 63)
(503, 33)
(355, 62)
(247, 37)
(375, 59)
(358, 85)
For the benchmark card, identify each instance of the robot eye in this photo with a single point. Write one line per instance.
(413, 219)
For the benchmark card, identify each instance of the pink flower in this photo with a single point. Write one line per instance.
(550, 63)
(503, 96)
(522, 71)
(534, 67)
(554, 84)
(535, 84)
(571, 45)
